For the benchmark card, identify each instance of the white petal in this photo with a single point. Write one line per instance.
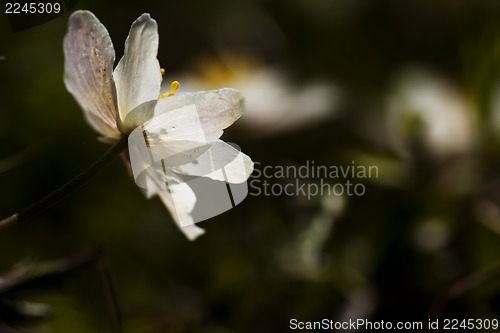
(137, 75)
(181, 208)
(139, 115)
(221, 162)
(217, 109)
(181, 212)
(88, 67)
(172, 138)
(150, 190)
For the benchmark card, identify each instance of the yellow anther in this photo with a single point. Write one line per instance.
(173, 88)
(162, 71)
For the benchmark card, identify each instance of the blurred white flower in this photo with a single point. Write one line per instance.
(274, 104)
(115, 102)
(425, 106)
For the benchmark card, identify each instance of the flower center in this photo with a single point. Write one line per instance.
(173, 87)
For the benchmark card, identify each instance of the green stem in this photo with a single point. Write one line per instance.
(68, 188)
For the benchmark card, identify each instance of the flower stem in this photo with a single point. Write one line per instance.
(68, 188)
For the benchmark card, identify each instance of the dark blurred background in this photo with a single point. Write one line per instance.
(411, 87)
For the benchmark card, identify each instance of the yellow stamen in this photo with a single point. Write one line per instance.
(173, 88)
(162, 71)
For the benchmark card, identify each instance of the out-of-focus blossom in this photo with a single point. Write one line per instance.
(274, 103)
(427, 108)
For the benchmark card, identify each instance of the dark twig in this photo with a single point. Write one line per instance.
(112, 296)
(461, 287)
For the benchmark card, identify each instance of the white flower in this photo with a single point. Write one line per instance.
(274, 104)
(440, 115)
(115, 102)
